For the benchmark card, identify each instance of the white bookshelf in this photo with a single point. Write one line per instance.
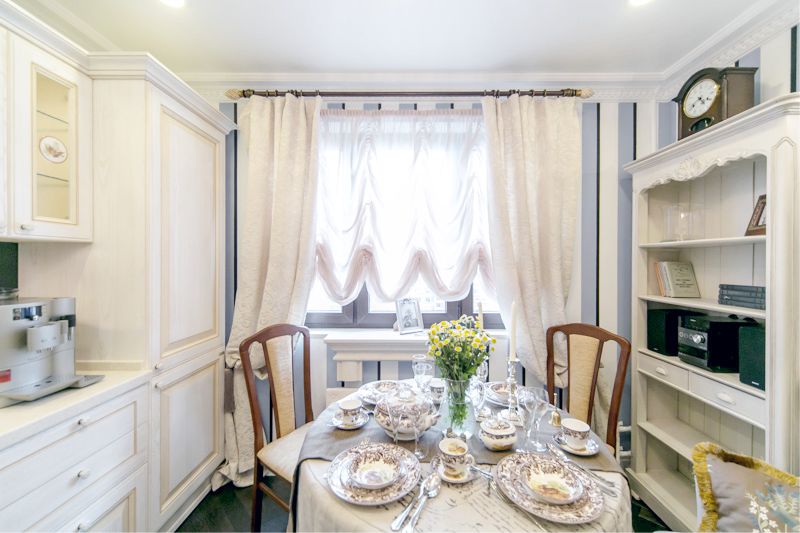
(716, 176)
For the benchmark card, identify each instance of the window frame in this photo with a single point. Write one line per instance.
(356, 315)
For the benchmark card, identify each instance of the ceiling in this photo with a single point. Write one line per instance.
(248, 37)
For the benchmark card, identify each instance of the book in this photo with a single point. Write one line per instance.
(744, 298)
(742, 288)
(679, 279)
(659, 279)
(750, 294)
(748, 304)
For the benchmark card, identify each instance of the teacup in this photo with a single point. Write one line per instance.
(349, 409)
(455, 459)
(576, 433)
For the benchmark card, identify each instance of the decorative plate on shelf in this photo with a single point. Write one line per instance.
(340, 481)
(511, 477)
(53, 149)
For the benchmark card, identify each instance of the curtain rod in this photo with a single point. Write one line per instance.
(235, 94)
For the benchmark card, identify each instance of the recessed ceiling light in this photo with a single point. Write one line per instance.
(174, 3)
(635, 3)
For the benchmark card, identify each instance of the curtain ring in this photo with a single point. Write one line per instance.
(545, 93)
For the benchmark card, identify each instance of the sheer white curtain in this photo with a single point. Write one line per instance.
(402, 195)
(535, 154)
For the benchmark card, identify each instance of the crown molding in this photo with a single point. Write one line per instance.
(143, 66)
(25, 25)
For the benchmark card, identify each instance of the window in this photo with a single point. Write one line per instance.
(402, 200)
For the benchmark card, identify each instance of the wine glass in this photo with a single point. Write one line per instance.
(391, 405)
(534, 403)
(418, 417)
(423, 371)
(479, 398)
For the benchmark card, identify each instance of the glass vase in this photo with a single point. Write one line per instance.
(457, 407)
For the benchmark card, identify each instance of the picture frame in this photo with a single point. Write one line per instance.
(758, 220)
(409, 316)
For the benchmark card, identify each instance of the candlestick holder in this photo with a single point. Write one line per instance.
(512, 414)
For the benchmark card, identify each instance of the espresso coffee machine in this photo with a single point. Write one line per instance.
(37, 349)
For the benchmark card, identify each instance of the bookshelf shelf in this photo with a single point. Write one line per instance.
(707, 305)
(704, 243)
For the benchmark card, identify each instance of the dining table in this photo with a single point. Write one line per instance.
(473, 506)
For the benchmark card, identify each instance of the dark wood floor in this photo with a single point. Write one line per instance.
(228, 509)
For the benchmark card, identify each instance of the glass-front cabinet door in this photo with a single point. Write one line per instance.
(52, 166)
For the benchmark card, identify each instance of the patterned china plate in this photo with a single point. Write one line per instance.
(359, 422)
(497, 393)
(551, 481)
(342, 485)
(371, 392)
(510, 478)
(591, 446)
(438, 467)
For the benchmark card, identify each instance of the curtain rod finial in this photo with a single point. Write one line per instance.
(233, 94)
(586, 93)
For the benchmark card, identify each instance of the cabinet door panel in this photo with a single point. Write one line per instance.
(187, 200)
(187, 443)
(52, 147)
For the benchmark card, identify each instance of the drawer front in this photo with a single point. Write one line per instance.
(664, 371)
(63, 486)
(739, 402)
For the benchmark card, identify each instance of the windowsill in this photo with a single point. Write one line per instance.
(383, 339)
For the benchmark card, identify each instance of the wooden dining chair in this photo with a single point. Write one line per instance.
(280, 456)
(585, 344)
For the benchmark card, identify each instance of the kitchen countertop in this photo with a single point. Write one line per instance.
(22, 420)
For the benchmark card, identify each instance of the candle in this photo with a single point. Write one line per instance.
(512, 336)
(480, 314)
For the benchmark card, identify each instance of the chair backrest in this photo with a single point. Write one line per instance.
(585, 344)
(277, 344)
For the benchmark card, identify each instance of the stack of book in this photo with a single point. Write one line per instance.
(743, 296)
(676, 279)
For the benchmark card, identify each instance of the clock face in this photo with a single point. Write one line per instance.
(700, 97)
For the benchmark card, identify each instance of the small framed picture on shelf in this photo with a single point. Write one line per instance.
(758, 220)
(409, 316)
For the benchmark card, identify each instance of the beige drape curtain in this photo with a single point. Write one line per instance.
(277, 178)
(535, 166)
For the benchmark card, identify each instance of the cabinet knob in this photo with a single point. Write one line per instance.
(83, 474)
(82, 527)
(83, 422)
(26, 227)
(158, 366)
(726, 398)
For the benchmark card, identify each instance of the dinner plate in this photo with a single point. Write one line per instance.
(341, 484)
(497, 393)
(592, 447)
(510, 480)
(373, 391)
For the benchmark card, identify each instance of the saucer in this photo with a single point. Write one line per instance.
(359, 422)
(592, 447)
(466, 477)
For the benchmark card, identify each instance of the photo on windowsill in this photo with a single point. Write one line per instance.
(409, 316)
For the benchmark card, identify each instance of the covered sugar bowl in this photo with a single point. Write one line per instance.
(498, 435)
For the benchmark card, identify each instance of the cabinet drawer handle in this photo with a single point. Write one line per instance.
(82, 527)
(721, 396)
(26, 227)
(158, 366)
(660, 370)
(83, 474)
(83, 422)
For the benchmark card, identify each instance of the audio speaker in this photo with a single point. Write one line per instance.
(662, 329)
(751, 356)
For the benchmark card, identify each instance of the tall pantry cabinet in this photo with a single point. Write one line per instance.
(150, 286)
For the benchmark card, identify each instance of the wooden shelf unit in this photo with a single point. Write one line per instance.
(716, 176)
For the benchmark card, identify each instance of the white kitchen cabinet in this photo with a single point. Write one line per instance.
(187, 439)
(50, 147)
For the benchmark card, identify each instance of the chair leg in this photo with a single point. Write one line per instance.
(258, 498)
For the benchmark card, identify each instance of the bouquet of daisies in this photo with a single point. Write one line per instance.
(459, 347)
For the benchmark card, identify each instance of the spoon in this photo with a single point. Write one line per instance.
(433, 491)
(397, 523)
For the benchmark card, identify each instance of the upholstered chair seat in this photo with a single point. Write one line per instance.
(280, 456)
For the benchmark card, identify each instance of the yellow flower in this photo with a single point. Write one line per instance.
(438, 352)
(457, 349)
(494, 341)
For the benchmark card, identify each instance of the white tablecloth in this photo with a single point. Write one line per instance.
(465, 507)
